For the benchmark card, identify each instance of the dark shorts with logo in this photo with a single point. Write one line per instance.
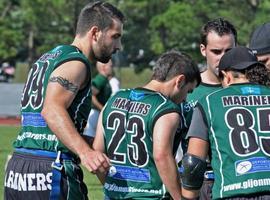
(30, 177)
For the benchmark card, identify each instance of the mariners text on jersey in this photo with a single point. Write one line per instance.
(253, 100)
(132, 107)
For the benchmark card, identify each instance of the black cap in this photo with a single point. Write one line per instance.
(238, 58)
(260, 39)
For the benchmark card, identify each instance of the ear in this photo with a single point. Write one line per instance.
(94, 33)
(227, 78)
(203, 50)
(180, 81)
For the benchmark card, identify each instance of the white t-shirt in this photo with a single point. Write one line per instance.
(115, 84)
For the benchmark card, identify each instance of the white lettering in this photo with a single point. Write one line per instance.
(41, 182)
(28, 181)
(31, 186)
(115, 188)
(250, 183)
(10, 179)
(5, 183)
(22, 182)
(37, 136)
(49, 180)
(15, 181)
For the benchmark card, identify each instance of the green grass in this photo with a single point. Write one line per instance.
(21, 73)
(8, 135)
(130, 79)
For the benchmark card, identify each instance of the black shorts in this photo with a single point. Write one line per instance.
(206, 190)
(30, 177)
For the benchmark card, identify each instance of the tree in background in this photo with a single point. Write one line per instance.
(32, 27)
(10, 30)
(28, 28)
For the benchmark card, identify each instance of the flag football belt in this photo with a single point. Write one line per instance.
(57, 167)
(209, 175)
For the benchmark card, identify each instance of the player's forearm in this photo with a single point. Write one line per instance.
(62, 126)
(168, 172)
(190, 194)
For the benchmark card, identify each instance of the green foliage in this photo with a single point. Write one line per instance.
(28, 28)
(137, 35)
(262, 14)
(173, 29)
(10, 30)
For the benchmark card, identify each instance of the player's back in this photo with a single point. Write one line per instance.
(238, 118)
(128, 120)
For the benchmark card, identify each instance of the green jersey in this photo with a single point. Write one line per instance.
(128, 121)
(188, 106)
(35, 133)
(102, 84)
(192, 98)
(238, 120)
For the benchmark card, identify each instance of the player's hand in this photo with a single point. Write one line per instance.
(95, 161)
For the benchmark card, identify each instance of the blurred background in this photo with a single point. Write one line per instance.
(29, 28)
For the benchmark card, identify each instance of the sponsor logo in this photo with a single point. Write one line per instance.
(252, 165)
(243, 167)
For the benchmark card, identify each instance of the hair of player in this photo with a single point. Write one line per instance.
(219, 26)
(100, 14)
(174, 63)
(258, 74)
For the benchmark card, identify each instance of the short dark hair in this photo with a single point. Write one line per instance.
(256, 73)
(99, 14)
(220, 26)
(173, 63)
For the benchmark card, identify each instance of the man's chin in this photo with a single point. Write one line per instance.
(104, 60)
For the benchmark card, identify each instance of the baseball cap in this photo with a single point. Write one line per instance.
(260, 40)
(238, 58)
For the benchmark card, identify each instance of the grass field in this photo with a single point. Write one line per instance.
(8, 134)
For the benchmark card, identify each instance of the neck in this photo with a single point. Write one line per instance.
(157, 86)
(80, 43)
(209, 78)
(239, 80)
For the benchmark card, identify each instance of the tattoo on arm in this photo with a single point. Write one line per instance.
(65, 83)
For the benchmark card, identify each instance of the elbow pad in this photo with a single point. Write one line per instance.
(192, 172)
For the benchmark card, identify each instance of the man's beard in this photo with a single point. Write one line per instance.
(104, 55)
(104, 58)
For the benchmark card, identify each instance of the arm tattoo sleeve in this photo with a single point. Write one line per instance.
(65, 83)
